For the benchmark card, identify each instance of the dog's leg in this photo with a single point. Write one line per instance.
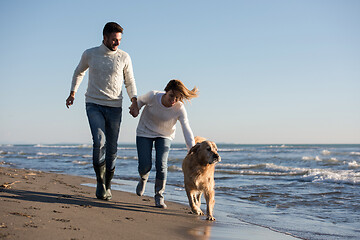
(198, 199)
(192, 202)
(210, 202)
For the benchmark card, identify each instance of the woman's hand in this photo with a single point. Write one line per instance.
(134, 109)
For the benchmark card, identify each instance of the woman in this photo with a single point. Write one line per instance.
(157, 124)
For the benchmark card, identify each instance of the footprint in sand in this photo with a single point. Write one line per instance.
(61, 220)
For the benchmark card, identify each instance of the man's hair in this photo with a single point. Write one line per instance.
(112, 27)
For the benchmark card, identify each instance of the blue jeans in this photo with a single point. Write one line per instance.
(105, 127)
(144, 148)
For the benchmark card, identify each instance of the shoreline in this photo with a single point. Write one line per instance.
(42, 205)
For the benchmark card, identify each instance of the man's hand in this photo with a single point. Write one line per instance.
(134, 110)
(70, 99)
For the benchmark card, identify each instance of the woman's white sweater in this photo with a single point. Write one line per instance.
(159, 121)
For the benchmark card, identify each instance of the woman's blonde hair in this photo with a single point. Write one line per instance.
(177, 85)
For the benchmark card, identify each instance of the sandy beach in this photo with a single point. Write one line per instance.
(40, 205)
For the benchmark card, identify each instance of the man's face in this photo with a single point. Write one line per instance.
(112, 41)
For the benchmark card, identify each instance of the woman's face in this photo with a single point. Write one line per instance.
(170, 98)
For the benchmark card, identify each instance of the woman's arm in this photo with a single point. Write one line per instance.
(185, 125)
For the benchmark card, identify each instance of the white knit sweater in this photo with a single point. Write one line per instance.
(108, 70)
(159, 121)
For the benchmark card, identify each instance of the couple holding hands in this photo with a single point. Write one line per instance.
(110, 68)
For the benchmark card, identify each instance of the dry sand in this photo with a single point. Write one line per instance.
(40, 205)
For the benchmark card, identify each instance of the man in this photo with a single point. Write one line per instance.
(109, 67)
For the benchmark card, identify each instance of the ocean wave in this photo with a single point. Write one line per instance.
(126, 158)
(179, 149)
(307, 174)
(355, 153)
(353, 165)
(6, 152)
(70, 155)
(307, 158)
(325, 152)
(63, 146)
(81, 162)
(232, 150)
(332, 161)
(174, 168)
(280, 146)
(47, 154)
(260, 173)
(36, 157)
(266, 166)
(239, 166)
(126, 148)
(340, 176)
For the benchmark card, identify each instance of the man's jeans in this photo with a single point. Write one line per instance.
(144, 148)
(105, 127)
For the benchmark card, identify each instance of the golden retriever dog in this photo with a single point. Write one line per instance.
(198, 168)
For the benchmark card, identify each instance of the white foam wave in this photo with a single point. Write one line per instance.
(332, 160)
(29, 157)
(308, 174)
(280, 146)
(125, 158)
(80, 162)
(47, 154)
(178, 149)
(354, 165)
(270, 169)
(340, 176)
(63, 146)
(325, 152)
(260, 173)
(231, 150)
(238, 166)
(355, 153)
(126, 148)
(307, 158)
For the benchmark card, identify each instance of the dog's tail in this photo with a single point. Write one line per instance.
(199, 139)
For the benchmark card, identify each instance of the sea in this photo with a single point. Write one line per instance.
(305, 191)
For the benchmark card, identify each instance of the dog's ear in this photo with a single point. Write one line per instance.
(195, 148)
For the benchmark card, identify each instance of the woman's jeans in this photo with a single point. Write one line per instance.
(105, 127)
(144, 148)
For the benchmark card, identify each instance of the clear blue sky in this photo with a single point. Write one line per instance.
(276, 72)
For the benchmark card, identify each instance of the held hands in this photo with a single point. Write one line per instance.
(134, 110)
